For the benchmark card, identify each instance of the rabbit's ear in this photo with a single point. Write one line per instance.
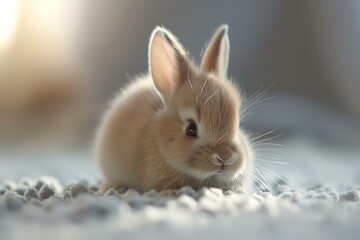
(216, 55)
(167, 61)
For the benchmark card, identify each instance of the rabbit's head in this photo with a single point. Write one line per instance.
(198, 131)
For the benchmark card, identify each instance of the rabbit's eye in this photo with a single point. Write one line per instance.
(191, 129)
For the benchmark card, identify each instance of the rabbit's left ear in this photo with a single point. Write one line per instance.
(216, 55)
(167, 61)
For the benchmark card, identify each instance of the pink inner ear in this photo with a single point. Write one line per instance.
(163, 64)
(216, 55)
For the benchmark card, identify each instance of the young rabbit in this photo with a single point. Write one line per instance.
(178, 125)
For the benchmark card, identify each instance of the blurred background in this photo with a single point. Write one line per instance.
(61, 62)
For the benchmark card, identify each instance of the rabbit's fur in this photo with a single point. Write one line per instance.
(142, 141)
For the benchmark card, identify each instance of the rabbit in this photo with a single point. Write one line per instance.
(178, 125)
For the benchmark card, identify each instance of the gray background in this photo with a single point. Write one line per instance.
(307, 51)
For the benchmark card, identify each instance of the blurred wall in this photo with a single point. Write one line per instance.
(307, 51)
(295, 45)
(41, 84)
(115, 35)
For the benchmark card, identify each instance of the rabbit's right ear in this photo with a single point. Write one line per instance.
(216, 55)
(167, 61)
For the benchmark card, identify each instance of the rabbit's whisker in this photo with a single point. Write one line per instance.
(212, 95)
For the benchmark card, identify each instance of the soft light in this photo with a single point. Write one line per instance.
(9, 10)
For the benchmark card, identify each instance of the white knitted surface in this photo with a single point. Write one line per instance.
(319, 200)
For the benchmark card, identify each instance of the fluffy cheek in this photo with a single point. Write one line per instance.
(238, 160)
(201, 160)
(174, 146)
(246, 153)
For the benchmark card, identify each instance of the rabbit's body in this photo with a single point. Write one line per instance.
(177, 126)
(121, 147)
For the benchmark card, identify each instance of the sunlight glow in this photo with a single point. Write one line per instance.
(9, 10)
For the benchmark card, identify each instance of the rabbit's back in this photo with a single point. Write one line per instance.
(124, 126)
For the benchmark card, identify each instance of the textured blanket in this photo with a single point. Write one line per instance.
(63, 206)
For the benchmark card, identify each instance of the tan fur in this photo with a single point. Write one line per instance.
(142, 143)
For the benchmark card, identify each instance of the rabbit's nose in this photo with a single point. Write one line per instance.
(224, 151)
(224, 154)
(221, 162)
(218, 162)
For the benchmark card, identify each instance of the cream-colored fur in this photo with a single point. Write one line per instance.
(142, 143)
